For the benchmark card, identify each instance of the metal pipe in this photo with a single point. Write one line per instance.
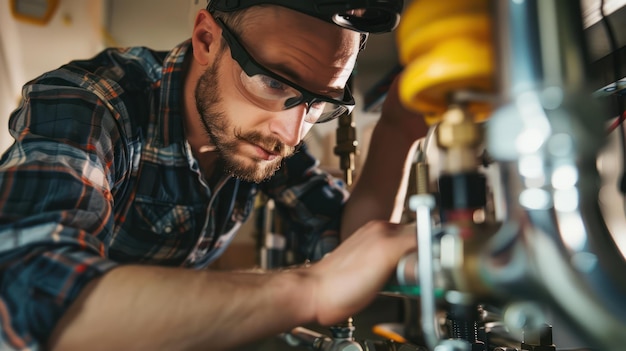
(422, 204)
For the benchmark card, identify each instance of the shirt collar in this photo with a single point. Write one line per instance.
(170, 113)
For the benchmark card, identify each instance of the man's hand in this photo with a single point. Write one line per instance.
(395, 115)
(347, 279)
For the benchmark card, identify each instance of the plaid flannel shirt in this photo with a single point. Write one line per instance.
(100, 174)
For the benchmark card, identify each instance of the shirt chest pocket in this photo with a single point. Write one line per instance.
(163, 219)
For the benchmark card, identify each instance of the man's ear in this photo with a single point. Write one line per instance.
(205, 37)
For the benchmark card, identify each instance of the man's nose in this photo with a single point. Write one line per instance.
(288, 124)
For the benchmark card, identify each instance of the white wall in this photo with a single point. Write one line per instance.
(7, 98)
(158, 24)
(27, 50)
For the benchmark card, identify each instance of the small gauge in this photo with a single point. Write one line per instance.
(34, 11)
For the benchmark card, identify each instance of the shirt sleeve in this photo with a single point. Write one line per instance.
(57, 184)
(310, 202)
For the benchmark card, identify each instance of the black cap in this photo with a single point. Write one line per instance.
(365, 16)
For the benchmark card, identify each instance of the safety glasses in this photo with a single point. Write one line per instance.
(275, 93)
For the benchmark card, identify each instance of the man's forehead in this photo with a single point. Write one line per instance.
(276, 24)
(288, 22)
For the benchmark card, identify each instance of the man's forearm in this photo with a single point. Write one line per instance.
(153, 308)
(380, 190)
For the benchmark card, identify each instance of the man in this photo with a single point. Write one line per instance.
(135, 163)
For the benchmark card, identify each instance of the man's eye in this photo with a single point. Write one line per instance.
(273, 83)
(318, 105)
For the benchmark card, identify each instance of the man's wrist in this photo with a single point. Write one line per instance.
(298, 293)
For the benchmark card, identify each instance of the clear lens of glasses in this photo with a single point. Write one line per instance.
(274, 95)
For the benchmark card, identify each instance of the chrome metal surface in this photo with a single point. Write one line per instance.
(555, 239)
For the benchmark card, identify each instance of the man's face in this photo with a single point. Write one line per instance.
(251, 138)
(249, 155)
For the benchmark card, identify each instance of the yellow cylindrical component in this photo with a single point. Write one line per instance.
(445, 46)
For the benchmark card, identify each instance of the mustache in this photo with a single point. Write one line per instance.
(266, 142)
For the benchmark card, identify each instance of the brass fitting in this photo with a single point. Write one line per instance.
(346, 146)
(459, 136)
(458, 130)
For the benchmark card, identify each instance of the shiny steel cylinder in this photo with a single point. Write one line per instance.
(546, 135)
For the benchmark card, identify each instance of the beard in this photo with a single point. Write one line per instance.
(227, 139)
